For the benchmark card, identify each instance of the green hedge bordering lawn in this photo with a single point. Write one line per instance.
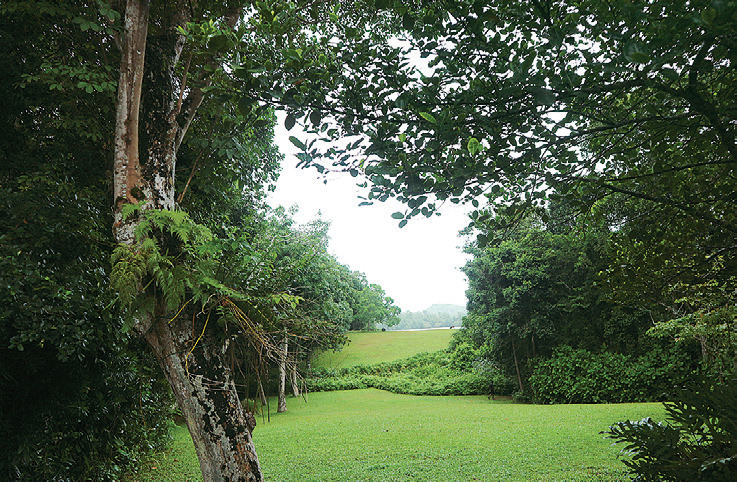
(579, 376)
(440, 373)
(569, 376)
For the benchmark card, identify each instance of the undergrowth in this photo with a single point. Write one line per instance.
(444, 372)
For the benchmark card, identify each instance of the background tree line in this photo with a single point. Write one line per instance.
(436, 316)
(543, 308)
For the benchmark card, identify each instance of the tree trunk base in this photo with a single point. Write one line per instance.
(206, 395)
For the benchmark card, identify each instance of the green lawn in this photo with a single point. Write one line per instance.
(374, 435)
(383, 346)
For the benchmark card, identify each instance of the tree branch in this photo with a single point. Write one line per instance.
(195, 98)
(660, 200)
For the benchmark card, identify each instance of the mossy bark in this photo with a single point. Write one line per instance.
(193, 359)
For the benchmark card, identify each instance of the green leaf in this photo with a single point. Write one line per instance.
(635, 52)
(482, 240)
(299, 144)
(542, 96)
(408, 21)
(289, 122)
(398, 215)
(639, 57)
(316, 117)
(708, 15)
(428, 117)
(527, 63)
(474, 146)
(669, 74)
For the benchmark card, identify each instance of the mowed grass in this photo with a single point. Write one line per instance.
(371, 435)
(383, 346)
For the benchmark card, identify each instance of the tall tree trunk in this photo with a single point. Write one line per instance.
(516, 366)
(282, 406)
(127, 167)
(198, 375)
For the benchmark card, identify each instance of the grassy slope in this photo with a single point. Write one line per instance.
(382, 346)
(375, 435)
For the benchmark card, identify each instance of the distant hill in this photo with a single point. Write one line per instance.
(436, 316)
(449, 309)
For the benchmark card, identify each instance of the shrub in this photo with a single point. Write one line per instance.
(444, 372)
(462, 357)
(698, 442)
(81, 419)
(328, 384)
(579, 376)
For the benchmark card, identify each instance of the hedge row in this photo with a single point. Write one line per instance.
(460, 384)
(440, 373)
(579, 376)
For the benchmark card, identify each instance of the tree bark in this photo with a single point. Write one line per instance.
(127, 168)
(282, 406)
(189, 351)
(516, 366)
(203, 386)
(294, 380)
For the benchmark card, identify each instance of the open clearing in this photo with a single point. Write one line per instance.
(372, 435)
(384, 346)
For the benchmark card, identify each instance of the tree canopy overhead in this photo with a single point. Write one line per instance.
(521, 103)
(531, 95)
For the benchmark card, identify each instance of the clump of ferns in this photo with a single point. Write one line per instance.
(162, 264)
(174, 263)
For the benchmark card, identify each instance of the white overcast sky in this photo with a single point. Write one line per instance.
(417, 265)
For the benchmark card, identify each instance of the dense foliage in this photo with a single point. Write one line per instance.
(80, 398)
(445, 372)
(579, 376)
(539, 289)
(76, 399)
(278, 256)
